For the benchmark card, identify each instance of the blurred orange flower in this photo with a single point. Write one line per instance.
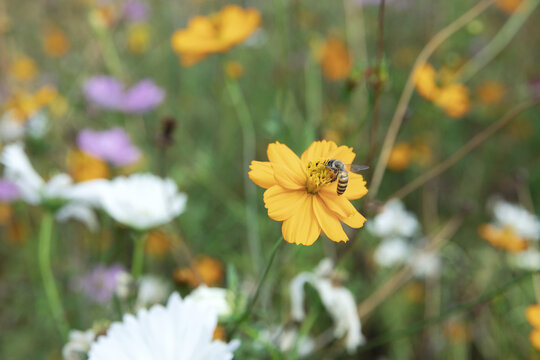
(234, 69)
(84, 167)
(533, 316)
(157, 243)
(203, 270)
(216, 33)
(400, 157)
(335, 59)
(505, 238)
(23, 69)
(490, 92)
(508, 6)
(301, 191)
(6, 214)
(450, 96)
(23, 105)
(55, 42)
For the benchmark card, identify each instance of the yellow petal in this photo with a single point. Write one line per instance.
(318, 150)
(343, 153)
(262, 174)
(329, 223)
(281, 203)
(281, 154)
(533, 315)
(535, 338)
(289, 179)
(356, 187)
(356, 221)
(302, 228)
(338, 204)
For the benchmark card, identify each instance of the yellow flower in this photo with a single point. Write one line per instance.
(234, 69)
(24, 69)
(533, 316)
(400, 157)
(84, 167)
(55, 42)
(138, 38)
(203, 270)
(452, 97)
(505, 238)
(215, 33)
(490, 92)
(335, 59)
(23, 105)
(301, 194)
(508, 6)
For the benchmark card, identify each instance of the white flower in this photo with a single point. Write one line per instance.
(78, 345)
(287, 339)
(527, 260)
(425, 264)
(180, 331)
(394, 221)
(37, 125)
(80, 213)
(213, 297)
(142, 201)
(338, 301)
(152, 290)
(391, 252)
(124, 285)
(524, 223)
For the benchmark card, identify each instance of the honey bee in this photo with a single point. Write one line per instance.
(341, 174)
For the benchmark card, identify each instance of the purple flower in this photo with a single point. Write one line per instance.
(135, 10)
(8, 191)
(113, 145)
(100, 283)
(108, 93)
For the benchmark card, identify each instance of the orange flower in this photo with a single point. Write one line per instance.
(234, 69)
(215, 33)
(84, 167)
(508, 6)
(138, 38)
(24, 69)
(335, 59)
(157, 243)
(300, 191)
(24, 105)
(505, 238)
(533, 316)
(203, 270)
(55, 42)
(450, 96)
(400, 157)
(490, 92)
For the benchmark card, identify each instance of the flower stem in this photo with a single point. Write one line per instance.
(251, 304)
(138, 257)
(47, 276)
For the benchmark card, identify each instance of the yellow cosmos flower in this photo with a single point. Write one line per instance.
(85, 167)
(400, 157)
(24, 69)
(234, 69)
(506, 238)
(203, 270)
(533, 316)
(508, 6)
(23, 105)
(138, 38)
(335, 59)
(490, 92)
(452, 97)
(157, 243)
(216, 33)
(55, 42)
(301, 194)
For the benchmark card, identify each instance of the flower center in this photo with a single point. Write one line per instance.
(318, 175)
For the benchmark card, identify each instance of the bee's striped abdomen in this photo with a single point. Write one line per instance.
(343, 180)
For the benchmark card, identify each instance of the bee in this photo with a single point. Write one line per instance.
(341, 174)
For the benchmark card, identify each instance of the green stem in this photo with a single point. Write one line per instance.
(106, 43)
(138, 257)
(248, 154)
(499, 42)
(47, 276)
(251, 304)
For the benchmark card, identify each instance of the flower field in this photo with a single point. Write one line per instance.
(279, 179)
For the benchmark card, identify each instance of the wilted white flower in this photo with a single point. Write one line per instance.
(425, 263)
(391, 252)
(142, 201)
(216, 298)
(286, 339)
(124, 285)
(527, 260)
(524, 223)
(337, 300)
(152, 290)
(78, 345)
(180, 331)
(394, 221)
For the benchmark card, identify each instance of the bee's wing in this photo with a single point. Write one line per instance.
(356, 167)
